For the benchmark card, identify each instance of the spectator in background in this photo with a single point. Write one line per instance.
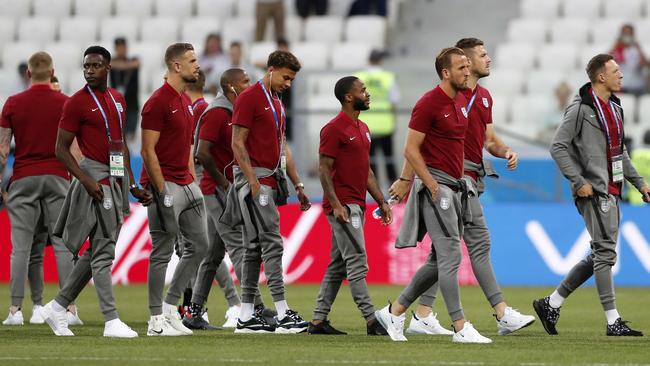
(640, 158)
(236, 61)
(54, 83)
(269, 9)
(384, 95)
(213, 57)
(367, 7)
(555, 116)
(23, 82)
(632, 61)
(124, 77)
(305, 7)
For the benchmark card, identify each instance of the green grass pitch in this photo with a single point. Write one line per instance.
(581, 340)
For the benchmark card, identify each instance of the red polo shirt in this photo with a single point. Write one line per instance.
(479, 116)
(83, 117)
(198, 107)
(253, 111)
(33, 116)
(612, 188)
(442, 119)
(170, 113)
(217, 128)
(348, 143)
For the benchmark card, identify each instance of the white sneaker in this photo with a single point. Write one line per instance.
(231, 316)
(394, 325)
(36, 315)
(117, 329)
(205, 316)
(73, 318)
(512, 321)
(429, 325)
(56, 320)
(14, 319)
(160, 327)
(469, 335)
(174, 319)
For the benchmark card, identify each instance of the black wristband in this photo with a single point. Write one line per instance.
(404, 179)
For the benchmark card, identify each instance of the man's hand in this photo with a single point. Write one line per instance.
(399, 189)
(513, 159)
(255, 188)
(142, 195)
(341, 214)
(585, 191)
(433, 189)
(94, 189)
(386, 214)
(645, 192)
(4, 196)
(304, 200)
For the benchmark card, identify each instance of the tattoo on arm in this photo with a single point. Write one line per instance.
(5, 146)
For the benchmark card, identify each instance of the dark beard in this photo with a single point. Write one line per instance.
(360, 105)
(190, 79)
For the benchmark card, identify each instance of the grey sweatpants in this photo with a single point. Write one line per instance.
(347, 260)
(179, 209)
(222, 238)
(34, 205)
(443, 221)
(477, 240)
(602, 219)
(96, 261)
(266, 247)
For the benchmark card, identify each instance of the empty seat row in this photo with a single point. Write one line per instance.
(630, 9)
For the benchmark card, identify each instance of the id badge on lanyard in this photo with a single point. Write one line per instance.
(278, 122)
(116, 158)
(615, 151)
(617, 165)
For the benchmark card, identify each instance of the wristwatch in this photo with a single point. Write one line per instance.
(133, 186)
(299, 185)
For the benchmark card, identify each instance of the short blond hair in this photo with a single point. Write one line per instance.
(40, 66)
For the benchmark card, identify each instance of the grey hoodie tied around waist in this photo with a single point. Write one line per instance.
(412, 230)
(80, 214)
(482, 170)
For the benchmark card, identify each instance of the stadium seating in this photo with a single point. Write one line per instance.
(215, 8)
(82, 30)
(14, 9)
(324, 29)
(7, 31)
(350, 56)
(312, 55)
(159, 29)
(97, 9)
(527, 30)
(112, 28)
(130, 8)
(547, 9)
(588, 9)
(174, 8)
(52, 8)
(370, 30)
(39, 30)
(195, 30)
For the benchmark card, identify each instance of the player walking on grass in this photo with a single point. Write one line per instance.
(345, 175)
(434, 151)
(588, 148)
(97, 201)
(262, 157)
(480, 133)
(167, 134)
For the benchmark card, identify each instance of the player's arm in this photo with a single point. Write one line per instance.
(400, 188)
(495, 146)
(239, 137)
(292, 172)
(375, 192)
(209, 165)
(150, 159)
(5, 146)
(190, 163)
(76, 151)
(325, 166)
(414, 140)
(143, 196)
(63, 141)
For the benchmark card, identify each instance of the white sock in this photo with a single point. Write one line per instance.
(556, 300)
(281, 307)
(246, 312)
(168, 308)
(57, 307)
(611, 316)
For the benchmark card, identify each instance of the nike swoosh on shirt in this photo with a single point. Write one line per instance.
(175, 110)
(447, 115)
(230, 124)
(94, 109)
(352, 138)
(267, 108)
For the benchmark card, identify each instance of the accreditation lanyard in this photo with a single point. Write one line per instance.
(283, 161)
(116, 155)
(616, 156)
(471, 101)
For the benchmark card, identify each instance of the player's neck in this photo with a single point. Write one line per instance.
(351, 112)
(177, 83)
(101, 87)
(267, 83)
(448, 89)
(231, 97)
(194, 96)
(44, 82)
(601, 91)
(472, 81)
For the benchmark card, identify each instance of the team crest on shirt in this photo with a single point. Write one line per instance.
(445, 203)
(464, 111)
(107, 203)
(190, 109)
(119, 107)
(368, 136)
(355, 220)
(485, 102)
(264, 199)
(604, 205)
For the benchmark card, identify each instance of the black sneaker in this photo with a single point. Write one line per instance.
(198, 323)
(254, 325)
(547, 314)
(324, 327)
(267, 314)
(620, 329)
(374, 328)
(291, 323)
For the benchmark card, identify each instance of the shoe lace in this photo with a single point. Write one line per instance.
(293, 315)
